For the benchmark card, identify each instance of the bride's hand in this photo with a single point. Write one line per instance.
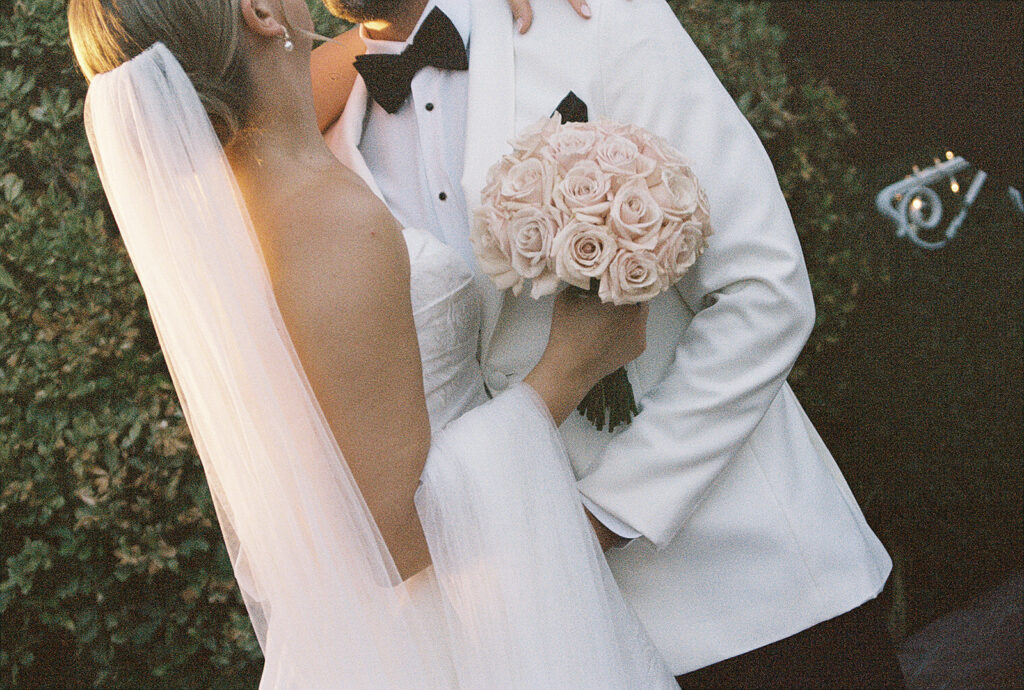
(588, 341)
(522, 11)
(598, 338)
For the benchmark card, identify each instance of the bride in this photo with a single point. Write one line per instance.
(389, 526)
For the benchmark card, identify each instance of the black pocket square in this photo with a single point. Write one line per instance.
(572, 109)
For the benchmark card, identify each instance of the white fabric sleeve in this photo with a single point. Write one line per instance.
(750, 291)
(608, 520)
(529, 597)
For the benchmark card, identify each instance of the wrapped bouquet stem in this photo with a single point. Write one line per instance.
(608, 208)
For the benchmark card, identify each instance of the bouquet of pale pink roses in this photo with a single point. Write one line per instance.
(609, 208)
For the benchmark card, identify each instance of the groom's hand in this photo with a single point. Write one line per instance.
(605, 536)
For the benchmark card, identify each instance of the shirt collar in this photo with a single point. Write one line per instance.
(457, 10)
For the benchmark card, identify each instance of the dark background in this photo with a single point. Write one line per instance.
(921, 75)
(938, 418)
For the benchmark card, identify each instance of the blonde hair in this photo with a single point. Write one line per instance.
(204, 35)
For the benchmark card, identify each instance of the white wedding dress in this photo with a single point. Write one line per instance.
(519, 594)
(446, 308)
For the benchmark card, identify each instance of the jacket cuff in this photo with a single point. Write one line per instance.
(610, 521)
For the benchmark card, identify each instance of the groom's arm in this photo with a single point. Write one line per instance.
(333, 74)
(749, 291)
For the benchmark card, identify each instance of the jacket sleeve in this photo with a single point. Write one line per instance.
(749, 291)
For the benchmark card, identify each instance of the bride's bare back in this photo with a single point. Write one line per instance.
(340, 272)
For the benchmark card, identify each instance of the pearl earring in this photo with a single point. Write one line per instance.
(288, 45)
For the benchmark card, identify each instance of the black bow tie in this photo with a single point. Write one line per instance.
(389, 77)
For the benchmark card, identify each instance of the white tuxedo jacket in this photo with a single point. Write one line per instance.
(750, 533)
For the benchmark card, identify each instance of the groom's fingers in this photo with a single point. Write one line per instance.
(581, 7)
(522, 13)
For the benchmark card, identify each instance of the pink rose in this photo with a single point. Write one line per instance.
(494, 222)
(497, 172)
(679, 249)
(531, 231)
(571, 144)
(528, 182)
(607, 128)
(639, 136)
(534, 137)
(702, 214)
(582, 251)
(584, 190)
(677, 192)
(632, 277)
(621, 157)
(661, 151)
(635, 217)
(489, 237)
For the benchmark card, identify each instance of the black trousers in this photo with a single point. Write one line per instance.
(853, 650)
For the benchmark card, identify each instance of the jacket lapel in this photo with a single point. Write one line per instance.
(344, 136)
(490, 120)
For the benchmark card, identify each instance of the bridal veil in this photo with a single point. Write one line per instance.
(528, 599)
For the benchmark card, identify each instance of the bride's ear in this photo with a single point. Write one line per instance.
(260, 20)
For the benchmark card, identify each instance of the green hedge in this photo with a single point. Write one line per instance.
(805, 128)
(114, 569)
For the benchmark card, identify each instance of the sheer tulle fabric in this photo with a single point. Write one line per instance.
(526, 596)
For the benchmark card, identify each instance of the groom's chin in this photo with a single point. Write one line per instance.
(359, 11)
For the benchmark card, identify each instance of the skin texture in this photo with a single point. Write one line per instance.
(333, 74)
(339, 268)
(357, 11)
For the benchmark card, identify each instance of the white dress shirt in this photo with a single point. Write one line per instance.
(416, 154)
(416, 157)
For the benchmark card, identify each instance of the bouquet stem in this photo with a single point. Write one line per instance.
(611, 401)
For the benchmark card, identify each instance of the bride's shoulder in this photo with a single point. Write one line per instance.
(339, 243)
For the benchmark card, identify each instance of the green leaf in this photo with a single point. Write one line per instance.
(12, 186)
(6, 281)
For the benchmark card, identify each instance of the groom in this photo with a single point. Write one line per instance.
(736, 533)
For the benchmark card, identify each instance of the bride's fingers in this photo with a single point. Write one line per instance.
(522, 13)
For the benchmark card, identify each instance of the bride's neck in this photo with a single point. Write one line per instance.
(279, 150)
(268, 153)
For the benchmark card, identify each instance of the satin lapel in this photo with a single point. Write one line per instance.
(490, 119)
(344, 136)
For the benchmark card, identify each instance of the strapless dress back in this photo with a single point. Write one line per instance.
(447, 309)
